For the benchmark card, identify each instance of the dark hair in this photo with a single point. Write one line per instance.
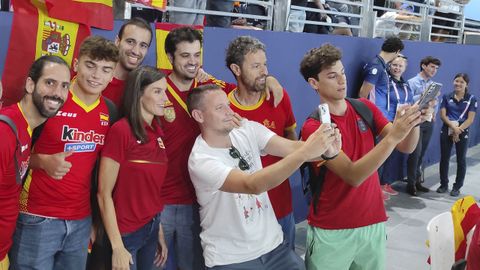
(465, 77)
(392, 44)
(138, 79)
(139, 22)
(99, 48)
(429, 60)
(239, 47)
(36, 69)
(318, 59)
(181, 34)
(195, 96)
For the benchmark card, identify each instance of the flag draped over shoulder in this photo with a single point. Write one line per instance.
(465, 214)
(157, 4)
(161, 32)
(95, 13)
(34, 34)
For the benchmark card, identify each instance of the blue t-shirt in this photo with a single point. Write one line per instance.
(375, 72)
(458, 110)
(399, 93)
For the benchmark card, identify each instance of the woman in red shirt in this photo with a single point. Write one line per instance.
(132, 170)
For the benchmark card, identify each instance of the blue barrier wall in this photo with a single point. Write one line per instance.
(285, 51)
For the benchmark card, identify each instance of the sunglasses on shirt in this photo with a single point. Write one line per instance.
(242, 163)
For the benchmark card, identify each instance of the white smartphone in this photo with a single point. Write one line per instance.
(324, 114)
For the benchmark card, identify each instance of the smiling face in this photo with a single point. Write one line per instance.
(154, 98)
(459, 85)
(253, 72)
(397, 67)
(216, 114)
(331, 82)
(186, 60)
(93, 76)
(51, 89)
(133, 46)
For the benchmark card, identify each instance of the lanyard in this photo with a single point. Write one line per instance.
(466, 109)
(397, 95)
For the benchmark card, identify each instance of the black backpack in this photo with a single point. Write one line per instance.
(312, 182)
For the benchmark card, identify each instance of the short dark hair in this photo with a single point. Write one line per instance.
(241, 46)
(139, 22)
(429, 60)
(99, 48)
(179, 35)
(318, 59)
(137, 80)
(195, 96)
(36, 69)
(392, 44)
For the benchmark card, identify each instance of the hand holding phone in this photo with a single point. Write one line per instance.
(324, 113)
(428, 95)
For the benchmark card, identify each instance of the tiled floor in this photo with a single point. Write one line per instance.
(408, 216)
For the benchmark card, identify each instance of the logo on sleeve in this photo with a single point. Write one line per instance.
(80, 141)
(374, 71)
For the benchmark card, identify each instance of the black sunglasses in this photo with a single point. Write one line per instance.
(242, 163)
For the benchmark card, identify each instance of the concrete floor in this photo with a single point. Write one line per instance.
(408, 216)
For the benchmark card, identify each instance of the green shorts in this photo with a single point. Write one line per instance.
(349, 249)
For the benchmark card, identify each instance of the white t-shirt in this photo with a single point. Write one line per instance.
(235, 227)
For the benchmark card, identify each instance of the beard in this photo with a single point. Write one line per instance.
(256, 85)
(39, 103)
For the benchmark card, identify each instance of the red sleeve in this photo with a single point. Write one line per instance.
(291, 123)
(378, 117)
(116, 143)
(309, 127)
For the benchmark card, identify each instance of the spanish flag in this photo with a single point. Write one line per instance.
(95, 13)
(157, 4)
(34, 34)
(162, 30)
(465, 214)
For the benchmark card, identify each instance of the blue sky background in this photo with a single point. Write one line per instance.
(472, 10)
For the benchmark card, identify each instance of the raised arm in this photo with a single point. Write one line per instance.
(295, 152)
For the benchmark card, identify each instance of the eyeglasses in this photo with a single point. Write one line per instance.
(242, 163)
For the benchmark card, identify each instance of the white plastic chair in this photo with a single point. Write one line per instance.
(441, 242)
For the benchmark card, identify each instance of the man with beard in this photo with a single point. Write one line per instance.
(246, 59)
(54, 225)
(46, 89)
(133, 41)
(180, 220)
(239, 228)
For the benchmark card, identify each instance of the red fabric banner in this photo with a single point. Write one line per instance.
(95, 13)
(35, 34)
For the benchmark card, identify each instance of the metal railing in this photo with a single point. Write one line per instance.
(362, 18)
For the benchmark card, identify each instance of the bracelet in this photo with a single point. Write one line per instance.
(328, 158)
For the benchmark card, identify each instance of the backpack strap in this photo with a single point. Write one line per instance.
(365, 113)
(113, 114)
(12, 126)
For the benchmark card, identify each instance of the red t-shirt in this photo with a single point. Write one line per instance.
(180, 133)
(114, 91)
(76, 127)
(9, 189)
(137, 193)
(277, 120)
(340, 205)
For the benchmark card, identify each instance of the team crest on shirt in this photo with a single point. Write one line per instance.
(169, 114)
(361, 125)
(104, 119)
(160, 143)
(269, 124)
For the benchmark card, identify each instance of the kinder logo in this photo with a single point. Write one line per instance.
(75, 135)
